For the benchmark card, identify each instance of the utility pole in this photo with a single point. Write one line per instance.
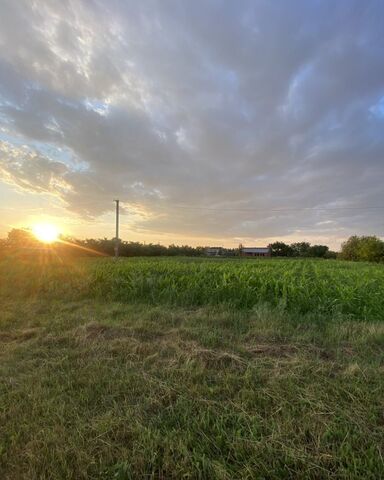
(117, 229)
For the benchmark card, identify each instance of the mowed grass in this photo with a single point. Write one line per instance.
(157, 369)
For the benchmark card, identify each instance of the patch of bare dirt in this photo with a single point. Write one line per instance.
(218, 357)
(280, 350)
(94, 331)
(272, 350)
(18, 335)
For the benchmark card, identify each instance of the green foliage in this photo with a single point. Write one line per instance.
(366, 248)
(350, 249)
(280, 249)
(320, 251)
(301, 285)
(300, 249)
(129, 249)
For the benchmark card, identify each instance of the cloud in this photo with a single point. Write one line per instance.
(211, 117)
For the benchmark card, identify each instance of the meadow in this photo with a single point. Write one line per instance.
(191, 368)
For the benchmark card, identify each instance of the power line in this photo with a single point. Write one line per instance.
(266, 209)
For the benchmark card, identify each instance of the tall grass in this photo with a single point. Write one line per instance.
(302, 286)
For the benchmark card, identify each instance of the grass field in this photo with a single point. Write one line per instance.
(191, 368)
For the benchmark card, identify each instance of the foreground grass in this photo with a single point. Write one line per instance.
(100, 389)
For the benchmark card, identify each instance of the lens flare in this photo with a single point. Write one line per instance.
(46, 232)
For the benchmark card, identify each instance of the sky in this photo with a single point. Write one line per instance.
(214, 122)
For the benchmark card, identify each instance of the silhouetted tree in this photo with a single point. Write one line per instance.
(18, 238)
(301, 249)
(3, 246)
(280, 249)
(319, 251)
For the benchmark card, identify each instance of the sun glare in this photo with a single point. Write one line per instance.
(46, 232)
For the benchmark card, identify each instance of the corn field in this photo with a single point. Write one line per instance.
(330, 287)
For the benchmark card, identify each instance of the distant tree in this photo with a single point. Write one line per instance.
(18, 238)
(371, 249)
(366, 248)
(319, 251)
(301, 249)
(350, 249)
(200, 251)
(280, 249)
(3, 247)
(105, 246)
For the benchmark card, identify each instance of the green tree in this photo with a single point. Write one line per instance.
(366, 248)
(371, 249)
(280, 249)
(301, 249)
(319, 251)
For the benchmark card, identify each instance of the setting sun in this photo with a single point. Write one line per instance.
(46, 232)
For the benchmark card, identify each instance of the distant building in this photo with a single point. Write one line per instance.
(214, 251)
(255, 251)
(242, 252)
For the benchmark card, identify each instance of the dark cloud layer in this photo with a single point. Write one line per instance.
(246, 108)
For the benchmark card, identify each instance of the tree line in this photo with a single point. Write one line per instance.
(23, 242)
(363, 248)
(300, 249)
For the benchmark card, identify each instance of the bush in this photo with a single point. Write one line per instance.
(366, 248)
